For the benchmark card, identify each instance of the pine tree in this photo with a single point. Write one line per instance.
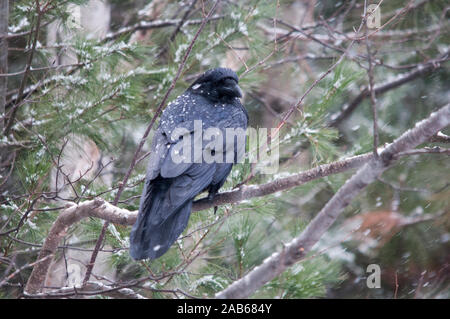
(304, 71)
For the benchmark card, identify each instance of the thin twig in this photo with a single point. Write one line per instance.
(14, 109)
(420, 70)
(373, 102)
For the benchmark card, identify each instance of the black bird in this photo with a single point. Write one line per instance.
(170, 186)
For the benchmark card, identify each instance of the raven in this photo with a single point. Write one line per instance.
(171, 185)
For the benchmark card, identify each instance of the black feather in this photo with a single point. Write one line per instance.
(171, 187)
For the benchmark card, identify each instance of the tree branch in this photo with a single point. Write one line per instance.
(15, 107)
(144, 25)
(4, 18)
(69, 216)
(110, 213)
(420, 70)
(90, 289)
(440, 138)
(299, 246)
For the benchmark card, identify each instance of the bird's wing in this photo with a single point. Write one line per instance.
(175, 117)
(158, 153)
(165, 158)
(181, 155)
(183, 189)
(165, 209)
(169, 186)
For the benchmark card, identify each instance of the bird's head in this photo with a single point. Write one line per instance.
(219, 84)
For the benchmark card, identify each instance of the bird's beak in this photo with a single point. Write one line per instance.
(238, 90)
(231, 89)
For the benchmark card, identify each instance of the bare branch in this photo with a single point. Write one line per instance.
(246, 192)
(373, 100)
(326, 40)
(440, 138)
(299, 246)
(69, 216)
(144, 25)
(4, 18)
(90, 289)
(14, 109)
(110, 213)
(381, 88)
(101, 209)
(426, 150)
(9, 277)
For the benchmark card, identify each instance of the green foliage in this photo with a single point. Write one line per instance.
(308, 279)
(111, 94)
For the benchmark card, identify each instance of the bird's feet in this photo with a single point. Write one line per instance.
(210, 198)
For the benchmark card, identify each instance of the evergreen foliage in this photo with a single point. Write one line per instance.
(110, 96)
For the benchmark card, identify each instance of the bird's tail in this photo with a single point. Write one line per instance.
(159, 224)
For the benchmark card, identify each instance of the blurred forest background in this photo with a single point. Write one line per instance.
(80, 81)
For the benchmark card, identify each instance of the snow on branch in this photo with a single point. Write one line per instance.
(69, 216)
(294, 251)
(297, 248)
(145, 25)
(90, 289)
(103, 210)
